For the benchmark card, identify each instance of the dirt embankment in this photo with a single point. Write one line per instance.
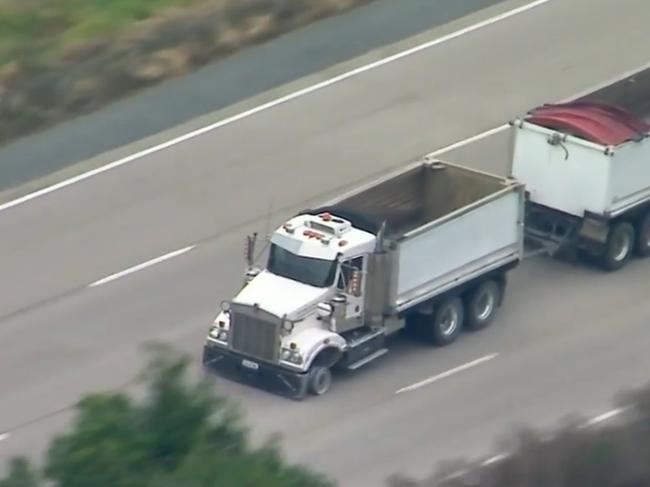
(36, 93)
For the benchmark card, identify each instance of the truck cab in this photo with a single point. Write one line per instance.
(290, 319)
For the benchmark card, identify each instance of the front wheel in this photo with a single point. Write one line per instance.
(320, 380)
(618, 247)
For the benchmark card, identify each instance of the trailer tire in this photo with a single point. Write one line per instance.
(319, 380)
(481, 305)
(447, 321)
(619, 246)
(643, 236)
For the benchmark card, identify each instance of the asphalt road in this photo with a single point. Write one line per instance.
(222, 83)
(567, 339)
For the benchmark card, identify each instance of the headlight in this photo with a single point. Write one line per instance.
(218, 334)
(287, 325)
(292, 356)
(296, 358)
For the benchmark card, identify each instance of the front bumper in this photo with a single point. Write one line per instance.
(223, 360)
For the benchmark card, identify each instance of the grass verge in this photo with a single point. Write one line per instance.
(63, 58)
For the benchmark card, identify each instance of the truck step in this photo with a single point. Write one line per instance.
(367, 359)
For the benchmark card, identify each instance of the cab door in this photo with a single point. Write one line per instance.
(352, 282)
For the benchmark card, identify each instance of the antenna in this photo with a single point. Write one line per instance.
(269, 214)
(250, 249)
(267, 229)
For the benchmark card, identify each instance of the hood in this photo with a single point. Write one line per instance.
(280, 296)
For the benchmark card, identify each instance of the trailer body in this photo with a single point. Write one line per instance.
(445, 225)
(585, 163)
(577, 176)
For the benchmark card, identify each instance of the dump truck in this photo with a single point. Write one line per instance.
(428, 246)
(586, 167)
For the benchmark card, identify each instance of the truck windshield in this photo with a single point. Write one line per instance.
(308, 270)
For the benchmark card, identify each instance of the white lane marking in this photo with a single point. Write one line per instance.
(144, 265)
(273, 103)
(495, 459)
(464, 142)
(454, 475)
(4, 436)
(604, 417)
(447, 373)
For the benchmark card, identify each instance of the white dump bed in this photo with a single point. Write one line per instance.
(460, 246)
(574, 175)
(444, 225)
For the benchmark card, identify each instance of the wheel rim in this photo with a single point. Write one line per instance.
(485, 305)
(321, 381)
(449, 321)
(621, 246)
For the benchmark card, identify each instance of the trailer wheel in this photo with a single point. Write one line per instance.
(481, 305)
(618, 248)
(643, 236)
(320, 380)
(447, 322)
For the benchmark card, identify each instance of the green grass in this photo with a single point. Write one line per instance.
(39, 30)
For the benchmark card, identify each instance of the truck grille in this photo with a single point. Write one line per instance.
(254, 337)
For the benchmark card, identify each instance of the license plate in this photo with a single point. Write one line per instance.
(250, 365)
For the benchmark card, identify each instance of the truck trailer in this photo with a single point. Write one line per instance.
(428, 246)
(586, 167)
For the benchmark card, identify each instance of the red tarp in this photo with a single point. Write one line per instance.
(597, 122)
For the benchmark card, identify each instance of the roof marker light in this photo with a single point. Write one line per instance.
(343, 243)
(312, 234)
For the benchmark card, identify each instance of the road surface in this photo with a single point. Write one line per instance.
(220, 84)
(566, 340)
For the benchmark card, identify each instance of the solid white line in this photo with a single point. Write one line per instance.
(495, 459)
(604, 417)
(448, 373)
(454, 475)
(4, 436)
(273, 103)
(470, 140)
(144, 265)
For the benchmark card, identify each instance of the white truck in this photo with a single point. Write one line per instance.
(428, 246)
(586, 167)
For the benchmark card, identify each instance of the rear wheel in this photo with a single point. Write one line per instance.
(618, 247)
(446, 322)
(643, 236)
(320, 380)
(481, 305)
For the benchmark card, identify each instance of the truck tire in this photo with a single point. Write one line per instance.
(447, 321)
(481, 305)
(319, 381)
(619, 246)
(643, 236)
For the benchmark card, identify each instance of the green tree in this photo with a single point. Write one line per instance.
(181, 433)
(20, 475)
(613, 454)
